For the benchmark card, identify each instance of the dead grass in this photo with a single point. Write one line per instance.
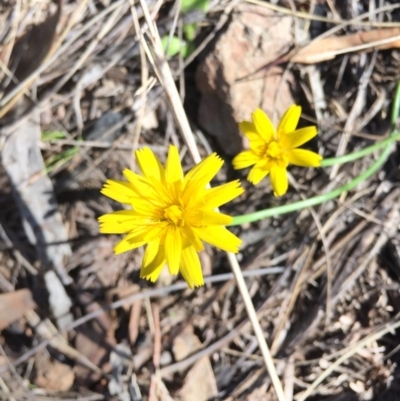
(78, 88)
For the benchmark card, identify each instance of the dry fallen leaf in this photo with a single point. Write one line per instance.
(329, 48)
(13, 305)
(52, 375)
(91, 344)
(200, 384)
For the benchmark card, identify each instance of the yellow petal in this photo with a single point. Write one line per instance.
(219, 237)
(217, 196)
(155, 230)
(263, 125)
(147, 190)
(162, 195)
(141, 185)
(153, 261)
(118, 222)
(279, 180)
(127, 244)
(147, 208)
(247, 127)
(257, 173)
(297, 138)
(173, 168)
(198, 178)
(149, 164)
(118, 190)
(132, 177)
(304, 158)
(191, 268)
(249, 130)
(289, 120)
(191, 239)
(201, 174)
(258, 147)
(140, 235)
(245, 159)
(192, 196)
(173, 250)
(203, 218)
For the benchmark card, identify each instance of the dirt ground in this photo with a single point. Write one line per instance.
(83, 85)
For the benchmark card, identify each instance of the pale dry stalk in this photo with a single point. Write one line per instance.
(155, 53)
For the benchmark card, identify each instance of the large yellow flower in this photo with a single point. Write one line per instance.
(271, 151)
(171, 213)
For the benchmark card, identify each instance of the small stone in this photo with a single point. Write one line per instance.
(241, 74)
(165, 358)
(52, 375)
(105, 129)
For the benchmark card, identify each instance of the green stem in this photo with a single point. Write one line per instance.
(395, 107)
(361, 153)
(317, 200)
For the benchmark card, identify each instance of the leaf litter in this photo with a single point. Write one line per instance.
(86, 84)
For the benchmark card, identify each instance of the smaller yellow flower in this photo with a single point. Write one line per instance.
(271, 151)
(172, 214)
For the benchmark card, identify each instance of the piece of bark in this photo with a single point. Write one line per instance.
(34, 194)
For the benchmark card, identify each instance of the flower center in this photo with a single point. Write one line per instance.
(174, 214)
(274, 153)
